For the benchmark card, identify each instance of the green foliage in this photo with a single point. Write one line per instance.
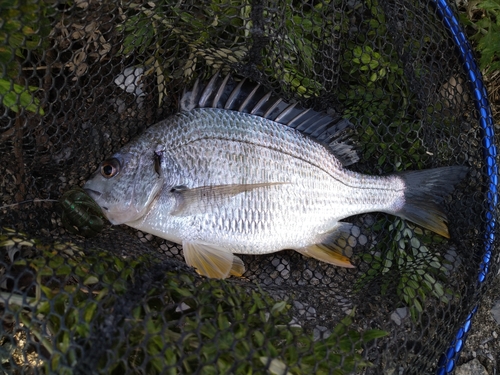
(184, 324)
(23, 30)
(484, 17)
(373, 89)
(218, 35)
(181, 35)
(15, 97)
(403, 257)
(292, 55)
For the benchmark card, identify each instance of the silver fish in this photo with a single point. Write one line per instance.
(237, 171)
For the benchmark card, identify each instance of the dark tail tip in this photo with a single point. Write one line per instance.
(424, 193)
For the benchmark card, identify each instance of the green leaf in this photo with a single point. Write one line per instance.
(278, 308)
(15, 97)
(373, 334)
(491, 5)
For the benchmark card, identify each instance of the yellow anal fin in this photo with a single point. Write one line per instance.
(211, 260)
(326, 254)
(333, 246)
(238, 268)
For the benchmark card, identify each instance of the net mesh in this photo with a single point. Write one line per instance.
(82, 78)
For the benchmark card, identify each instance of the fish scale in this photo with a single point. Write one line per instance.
(224, 182)
(242, 127)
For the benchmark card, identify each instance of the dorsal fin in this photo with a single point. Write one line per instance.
(248, 97)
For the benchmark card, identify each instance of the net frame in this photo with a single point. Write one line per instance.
(448, 360)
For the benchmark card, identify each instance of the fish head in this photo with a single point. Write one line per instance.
(126, 185)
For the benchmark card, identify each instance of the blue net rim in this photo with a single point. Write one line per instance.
(448, 359)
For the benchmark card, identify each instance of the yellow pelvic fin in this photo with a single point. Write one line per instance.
(212, 261)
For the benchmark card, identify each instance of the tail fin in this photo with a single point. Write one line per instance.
(424, 192)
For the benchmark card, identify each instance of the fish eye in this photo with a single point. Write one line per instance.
(157, 161)
(110, 168)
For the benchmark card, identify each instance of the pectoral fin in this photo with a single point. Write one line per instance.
(201, 199)
(212, 261)
(332, 247)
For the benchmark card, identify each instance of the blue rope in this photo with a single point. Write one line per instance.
(448, 360)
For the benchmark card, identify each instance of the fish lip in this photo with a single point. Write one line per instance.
(93, 193)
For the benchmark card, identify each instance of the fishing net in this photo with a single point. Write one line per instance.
(82, 78)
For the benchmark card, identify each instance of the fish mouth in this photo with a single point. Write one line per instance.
(93, 193)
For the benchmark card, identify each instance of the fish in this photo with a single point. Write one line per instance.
(238, 170)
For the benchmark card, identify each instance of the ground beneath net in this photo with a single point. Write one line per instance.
(481, 353)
